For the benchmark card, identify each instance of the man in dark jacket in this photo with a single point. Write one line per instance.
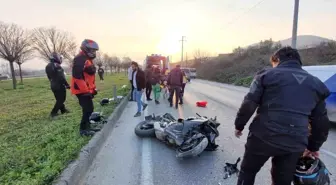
(149, 74)
(101, 73)
(58, 83)
(175, 81)
(286, 97)
(139, 84)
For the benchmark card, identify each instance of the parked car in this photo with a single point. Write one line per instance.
(327, 74)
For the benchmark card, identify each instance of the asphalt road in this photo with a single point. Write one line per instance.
(128, 160)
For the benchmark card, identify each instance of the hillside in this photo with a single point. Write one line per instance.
(303, 41)
(239, 66)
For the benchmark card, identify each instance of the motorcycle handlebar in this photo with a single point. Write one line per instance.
(198, 115)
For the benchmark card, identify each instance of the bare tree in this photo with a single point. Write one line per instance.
(14, 42)
(99, 60)
(200, 56)
(28, 54)
(116, 63)
(109, 62)
(48, 40)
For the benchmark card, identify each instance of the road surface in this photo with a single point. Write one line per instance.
(126, 159)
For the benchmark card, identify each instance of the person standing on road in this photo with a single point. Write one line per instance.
(58, 83)
(101, 73)
(129, 73)
(175, 81)
(83, 83)
(149, 74)
(139, 84)
(185, 81)
(286, 98)
(155, 81)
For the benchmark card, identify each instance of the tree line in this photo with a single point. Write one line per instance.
(18, 45)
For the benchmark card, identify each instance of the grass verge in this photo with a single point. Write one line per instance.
(33, 149)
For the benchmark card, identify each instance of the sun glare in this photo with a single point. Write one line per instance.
(169, 43)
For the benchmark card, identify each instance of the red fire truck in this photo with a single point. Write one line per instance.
(157, 60)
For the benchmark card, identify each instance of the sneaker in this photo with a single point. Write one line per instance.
(181, 103)
(53, 115)
(144, 106)
(65, 111)
(137, 114)
(149, 99)
(86, 133)
(157, 102)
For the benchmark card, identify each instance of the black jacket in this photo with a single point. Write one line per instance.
(175, 77)
(286, 97)
(55, 74)
(156, 76)
(100, 71)
(149, 75)
(140, 79)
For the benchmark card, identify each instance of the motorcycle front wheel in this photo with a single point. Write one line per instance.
(192, 149)
(145, 129)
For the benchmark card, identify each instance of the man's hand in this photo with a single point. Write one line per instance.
(308, 153)
(94, 92)
(238, 133)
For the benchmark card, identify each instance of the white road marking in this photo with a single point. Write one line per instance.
(146, 157)
(331, 154)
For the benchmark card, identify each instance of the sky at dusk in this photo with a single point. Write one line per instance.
(136, 28)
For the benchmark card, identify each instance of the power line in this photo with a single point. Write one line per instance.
(245, 12)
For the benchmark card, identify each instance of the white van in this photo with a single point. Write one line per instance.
(327, 74)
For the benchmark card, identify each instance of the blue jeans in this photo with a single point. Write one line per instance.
(138, 94)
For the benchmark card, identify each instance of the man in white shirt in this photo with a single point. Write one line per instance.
(130, 71)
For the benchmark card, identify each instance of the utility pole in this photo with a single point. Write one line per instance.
(183, 37)
(295, 23)
(186, 60)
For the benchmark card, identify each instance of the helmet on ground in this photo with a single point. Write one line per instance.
(55, 57)
(311, 171)
(89, 47)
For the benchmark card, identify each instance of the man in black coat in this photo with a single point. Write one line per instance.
(149, 76)
(58, 83)
(286, 98)
(175, 81)
(101, 73)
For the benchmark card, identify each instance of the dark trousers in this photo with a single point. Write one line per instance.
(182, 91)
(174, 90)
(60, 96)
(148, 90)
(132, 96)
(85, 101)
(257, 153)
(101, 76)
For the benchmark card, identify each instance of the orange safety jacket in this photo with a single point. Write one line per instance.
(83, 75)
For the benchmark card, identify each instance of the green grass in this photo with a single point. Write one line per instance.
(33, 149)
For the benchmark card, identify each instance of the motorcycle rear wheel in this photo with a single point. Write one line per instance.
(192, 149)
(145, 129)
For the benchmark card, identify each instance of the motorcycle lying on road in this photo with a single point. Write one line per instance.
(189, 136)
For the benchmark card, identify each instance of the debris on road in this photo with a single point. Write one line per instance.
(201, 103)
(230, 169)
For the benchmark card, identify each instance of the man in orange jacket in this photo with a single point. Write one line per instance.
(83, 82)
